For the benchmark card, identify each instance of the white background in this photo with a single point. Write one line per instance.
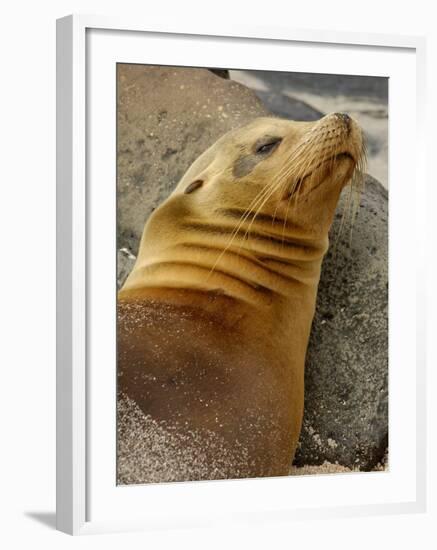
(27, 216)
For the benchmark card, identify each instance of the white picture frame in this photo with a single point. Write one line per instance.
(78, 489)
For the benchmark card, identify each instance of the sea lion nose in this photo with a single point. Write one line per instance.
(345, 118)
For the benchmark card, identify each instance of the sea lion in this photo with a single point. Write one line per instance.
(214, 319)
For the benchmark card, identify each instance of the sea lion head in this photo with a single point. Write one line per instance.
(276, 164)
(264, 192)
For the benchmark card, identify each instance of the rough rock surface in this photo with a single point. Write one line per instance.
(346, 377)
(166, 118)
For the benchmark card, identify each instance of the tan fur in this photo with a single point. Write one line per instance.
(215, 317)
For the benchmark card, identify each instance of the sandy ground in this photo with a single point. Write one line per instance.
(329, 468)
(148, 452)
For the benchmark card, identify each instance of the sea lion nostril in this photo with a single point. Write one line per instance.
(345, 118)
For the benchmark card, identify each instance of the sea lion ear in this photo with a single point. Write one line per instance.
(193, 186)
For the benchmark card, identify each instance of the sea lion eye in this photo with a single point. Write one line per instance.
(267, 146)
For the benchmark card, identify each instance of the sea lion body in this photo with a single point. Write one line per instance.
(215, 317)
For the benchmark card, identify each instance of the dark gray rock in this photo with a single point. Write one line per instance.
(350, 86)
(166, 118)
(346, 378)
(288, 107)
(222, 73)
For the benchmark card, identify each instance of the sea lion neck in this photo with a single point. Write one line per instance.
(254, 275)
(258, 263)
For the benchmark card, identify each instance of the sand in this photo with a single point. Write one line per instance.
(148, 452)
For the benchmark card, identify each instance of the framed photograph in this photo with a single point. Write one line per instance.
(240, 332)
